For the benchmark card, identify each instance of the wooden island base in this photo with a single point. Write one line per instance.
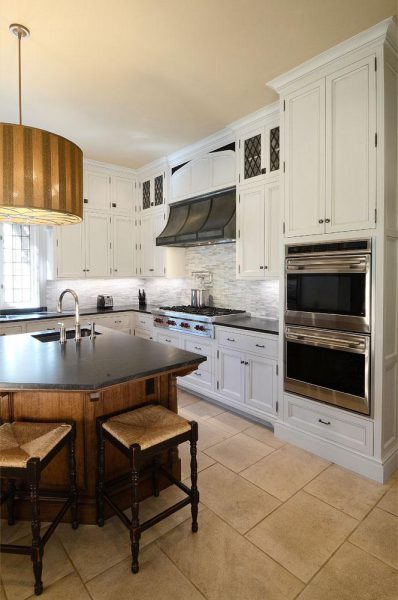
(84, 407)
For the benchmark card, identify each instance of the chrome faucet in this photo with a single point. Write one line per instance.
(77, 311)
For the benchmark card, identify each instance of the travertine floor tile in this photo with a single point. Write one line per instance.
(302, 534)
(184, 398)
(210, 434)
(93, 549)
(347, 491)
(378, 535)
(157, 578)
(239, 452)
(234, 499)
(200, 410)
(17, 572)
(352, 574)
(390, 500)
(231, 422)
(8, 534)
(225, 566)
(68, 588)
(263, 434)
(285, 471)
(203, 460)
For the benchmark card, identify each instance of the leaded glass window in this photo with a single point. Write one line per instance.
(146, 194)
(252, 156)
(158, 190)
(274, 149)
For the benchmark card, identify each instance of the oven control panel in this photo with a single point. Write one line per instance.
(184, 325)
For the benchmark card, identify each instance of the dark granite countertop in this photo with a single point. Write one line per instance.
(259, 324)
(93, 310)
(111, 358)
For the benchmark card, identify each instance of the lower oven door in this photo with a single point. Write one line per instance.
(328, 366)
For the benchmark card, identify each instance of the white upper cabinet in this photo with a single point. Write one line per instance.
(98, 243)
(122, 194)
(330, 150)
(123, 246)
(305, 160)
(258, 149)
(350, 147)
(153, 191)
(70, 251)
(259, 231)
(157, 261)
(251, 232)
(208, 173)
(97, 191)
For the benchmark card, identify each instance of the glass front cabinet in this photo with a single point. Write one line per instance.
(258, 153)
(153, 192)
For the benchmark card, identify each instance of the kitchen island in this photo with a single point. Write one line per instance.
(43, 379)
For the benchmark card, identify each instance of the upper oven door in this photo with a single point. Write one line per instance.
(329, 291)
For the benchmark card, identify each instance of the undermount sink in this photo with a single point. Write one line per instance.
(54, 336)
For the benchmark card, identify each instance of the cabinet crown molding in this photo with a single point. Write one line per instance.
(266, 112)
(378, 34)
(96, 164)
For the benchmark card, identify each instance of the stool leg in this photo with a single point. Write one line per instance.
(135, 532)
(37, 548)
(100, 475)
(194, 477)
(10, 501)
(72, 479)
(155, 476)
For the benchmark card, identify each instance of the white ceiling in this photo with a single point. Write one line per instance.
(132, 80)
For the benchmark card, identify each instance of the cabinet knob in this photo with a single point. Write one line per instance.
(327, 220)
(263, 171)
(261, 267)
(265, 267)
(115, 270)
(113, 204)
(151, 269)
(85, 201)
(320, 221)
(242, 362)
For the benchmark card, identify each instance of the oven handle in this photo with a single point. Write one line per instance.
(324, 265)
(327, 341)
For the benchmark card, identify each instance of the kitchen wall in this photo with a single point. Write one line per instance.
(259, 298)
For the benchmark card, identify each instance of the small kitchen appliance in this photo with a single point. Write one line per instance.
(104, 301)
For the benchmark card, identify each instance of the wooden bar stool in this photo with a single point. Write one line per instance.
(142, 434)
(26, 448)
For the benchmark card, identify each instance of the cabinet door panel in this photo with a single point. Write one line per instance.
(251, 156)
(97, 234)
(158, 252)
(224, 168)
(122, 194)
(97, 190)
(273, 231)
(180, 182)
(261, 384)
(231, 375)
(70, 253)
(147, 248)
(305, 160)
(251, 232)
(350, 147)
(200, 175)
(123, 246)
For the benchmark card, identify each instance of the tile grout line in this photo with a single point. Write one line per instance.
(179, 570)
(73, 564)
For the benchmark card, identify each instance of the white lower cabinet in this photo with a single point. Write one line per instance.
(11, 329)
(142, 324)
(247, 371)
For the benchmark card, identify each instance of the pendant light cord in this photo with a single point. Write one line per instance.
(20, 77)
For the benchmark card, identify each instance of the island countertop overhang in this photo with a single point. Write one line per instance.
(110, 359)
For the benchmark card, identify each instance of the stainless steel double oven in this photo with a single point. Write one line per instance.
(328, 322)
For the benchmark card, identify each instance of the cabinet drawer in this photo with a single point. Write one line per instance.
(49, 324)
(10, 329)
(262, 346)
(200, 377)
(143, 321)
(199, 347)
(144, 334)
(168, 338)
(345, 429)
(120, 321)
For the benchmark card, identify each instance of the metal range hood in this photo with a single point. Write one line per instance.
(200, 221)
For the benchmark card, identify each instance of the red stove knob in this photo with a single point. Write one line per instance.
(158, 320)
(200, 328)
(171, 322)
(185, 325)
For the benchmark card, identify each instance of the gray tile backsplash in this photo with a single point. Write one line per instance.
(261, 298)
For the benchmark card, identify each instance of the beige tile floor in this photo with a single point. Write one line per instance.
(276, 523)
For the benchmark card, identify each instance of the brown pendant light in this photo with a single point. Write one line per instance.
(41, 173)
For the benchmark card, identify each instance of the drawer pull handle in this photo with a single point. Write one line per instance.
(230, 340)
(260, 346)
(198, 374)
(242, 362)
(246, 363)
(197, 348)
(167, 340)
(324, 422)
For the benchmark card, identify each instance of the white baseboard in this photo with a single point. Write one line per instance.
(364, 465)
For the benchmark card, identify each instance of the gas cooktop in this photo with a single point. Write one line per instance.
(193, 319)
(207, 311)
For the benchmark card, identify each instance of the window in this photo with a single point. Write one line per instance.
(19, 266)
